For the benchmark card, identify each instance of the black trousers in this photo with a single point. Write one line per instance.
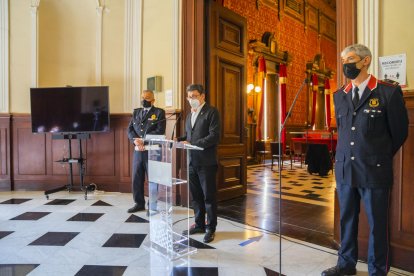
(139, 169)
(376, 203)
(204, 192)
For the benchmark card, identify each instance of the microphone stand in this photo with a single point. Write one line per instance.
(176, 121)
(280, 170)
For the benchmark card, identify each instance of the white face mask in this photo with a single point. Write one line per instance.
(194, 103)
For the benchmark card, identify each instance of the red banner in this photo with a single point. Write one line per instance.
(314, 90)
(282, 82)
(328, 103)
(261, 79)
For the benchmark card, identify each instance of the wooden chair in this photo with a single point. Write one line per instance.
(298, 152)
(260, 149)
(274, 149)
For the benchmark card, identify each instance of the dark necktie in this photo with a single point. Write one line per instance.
(144, 113)
(355, 99)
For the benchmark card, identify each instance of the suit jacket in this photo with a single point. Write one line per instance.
(204, 134)
(370, 134)
(154, 122)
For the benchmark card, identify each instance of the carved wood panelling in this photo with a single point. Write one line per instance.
(401, 211)
(30, 149)
(108, 156)
(230, 76)
(101, 158)
(327, 27)
(312, 17)
(226, 37)
(230, 37)
(231, 173)
(295, 8)
(5, 152)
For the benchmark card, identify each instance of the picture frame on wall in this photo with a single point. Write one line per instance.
(327, 27)
(295, 8)
(312, 17)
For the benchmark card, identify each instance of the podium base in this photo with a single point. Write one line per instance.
(180, 247)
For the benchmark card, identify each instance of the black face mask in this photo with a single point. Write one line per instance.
(350, 70)
(145, 103)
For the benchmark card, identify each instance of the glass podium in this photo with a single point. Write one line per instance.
(165, 236)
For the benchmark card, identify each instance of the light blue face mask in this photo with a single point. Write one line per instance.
(194, 103)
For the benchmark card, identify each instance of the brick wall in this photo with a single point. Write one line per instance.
(291, 36)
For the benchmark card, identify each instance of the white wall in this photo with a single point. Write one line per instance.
(67, 47)
(157, 45)
(395, 34)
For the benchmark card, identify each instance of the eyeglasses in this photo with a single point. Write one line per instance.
(193, 97)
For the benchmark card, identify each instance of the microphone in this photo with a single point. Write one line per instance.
(176, 121)
(152, 124)
(156, 123)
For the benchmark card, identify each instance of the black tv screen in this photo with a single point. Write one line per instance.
(70, 109)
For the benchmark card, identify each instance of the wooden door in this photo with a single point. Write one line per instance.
(226, 51)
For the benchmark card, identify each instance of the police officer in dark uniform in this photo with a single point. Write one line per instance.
(372, 125)
(147, 119)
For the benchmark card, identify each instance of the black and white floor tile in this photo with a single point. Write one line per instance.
(297, 183)
(98, 237)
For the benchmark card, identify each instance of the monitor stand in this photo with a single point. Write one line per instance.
(70, 160)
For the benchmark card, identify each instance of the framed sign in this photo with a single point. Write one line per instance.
(295, 8)
(312, 17)
(327, 27)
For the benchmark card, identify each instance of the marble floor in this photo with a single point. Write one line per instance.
(68, 235)
(307, 203)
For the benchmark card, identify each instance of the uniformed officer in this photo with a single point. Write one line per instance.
(372, 125)
(145, 120)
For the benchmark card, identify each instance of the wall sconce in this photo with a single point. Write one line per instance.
(251, 87)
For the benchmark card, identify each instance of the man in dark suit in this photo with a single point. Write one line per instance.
(372, 125)
(147, 119)
(202, 129)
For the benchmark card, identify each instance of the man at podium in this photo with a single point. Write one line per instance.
(202, 129)
(147, 119)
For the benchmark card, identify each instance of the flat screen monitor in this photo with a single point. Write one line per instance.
(70, 109)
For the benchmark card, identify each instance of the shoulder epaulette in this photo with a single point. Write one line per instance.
(389, 82)
(339, 89)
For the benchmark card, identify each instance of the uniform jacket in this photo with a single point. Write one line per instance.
(204, 134)
(370, 134)
(154, 122)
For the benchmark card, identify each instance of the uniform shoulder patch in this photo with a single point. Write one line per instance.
(389, 82)
(340, 89)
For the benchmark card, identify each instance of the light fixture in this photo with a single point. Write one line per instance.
(250, 87)
(257, 89)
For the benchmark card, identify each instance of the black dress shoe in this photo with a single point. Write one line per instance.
(136, 208)
(194, 230)
(209, 236)
(338, 271)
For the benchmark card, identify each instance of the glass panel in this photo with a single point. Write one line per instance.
(166, 238)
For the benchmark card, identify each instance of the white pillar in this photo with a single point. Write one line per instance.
(4, 56)
(176, 54)
(98, 66)
(34, 42)
(370, 16)
(133, 54)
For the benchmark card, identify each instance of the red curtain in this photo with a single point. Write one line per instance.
(314, 90)
(328, 103)
(282, 82)
(261, 79)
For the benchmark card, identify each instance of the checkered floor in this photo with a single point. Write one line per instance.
(297, 183)
(68, 235)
